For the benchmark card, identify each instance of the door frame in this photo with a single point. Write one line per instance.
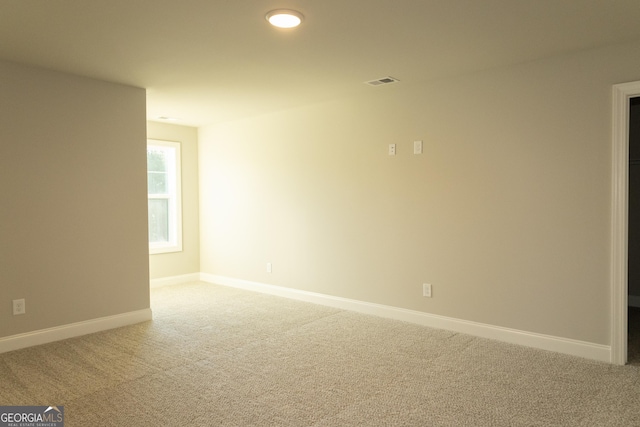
(622, 93)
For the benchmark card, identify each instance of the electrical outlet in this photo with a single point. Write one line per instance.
(392, 149)
(269, 267)
(426, 290)
(19, 306)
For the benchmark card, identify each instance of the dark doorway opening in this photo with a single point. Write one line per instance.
(633, 317)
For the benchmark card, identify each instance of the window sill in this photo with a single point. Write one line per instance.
(156, 250)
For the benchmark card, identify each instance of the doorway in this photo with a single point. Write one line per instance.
(622, 96)
(633, 289)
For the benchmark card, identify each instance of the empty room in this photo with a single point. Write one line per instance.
(320, 213)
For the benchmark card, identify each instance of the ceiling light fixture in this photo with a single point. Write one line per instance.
(382, 81)
(284, 18)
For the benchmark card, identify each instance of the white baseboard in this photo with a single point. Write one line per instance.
(540, 341)
(44, 336)
(174, 280)
(634, 301)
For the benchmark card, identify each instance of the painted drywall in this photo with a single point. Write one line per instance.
(73, 220)
(188, 260)
(506, 213)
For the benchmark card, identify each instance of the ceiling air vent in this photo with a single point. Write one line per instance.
(383, 81)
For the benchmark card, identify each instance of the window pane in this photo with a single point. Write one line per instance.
(157, 183)
(164, 190)
(156, 160)
(158, 220)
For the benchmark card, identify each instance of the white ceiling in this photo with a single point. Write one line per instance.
(206, 61)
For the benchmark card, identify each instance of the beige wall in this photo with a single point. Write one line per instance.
(507, 212)
(73, 212)
(187, 261)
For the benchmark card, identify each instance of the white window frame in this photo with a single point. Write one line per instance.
(175, 200)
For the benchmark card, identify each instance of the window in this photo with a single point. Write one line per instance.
(165, 204)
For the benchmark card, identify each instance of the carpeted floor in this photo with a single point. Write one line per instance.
(216, 356)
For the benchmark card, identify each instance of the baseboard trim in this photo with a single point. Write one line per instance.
(44, 336)
(540, 341)
(634, 301)
(174, 280)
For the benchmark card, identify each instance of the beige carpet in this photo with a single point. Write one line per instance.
(216, 356)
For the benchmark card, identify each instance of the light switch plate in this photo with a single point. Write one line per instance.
(417, 147)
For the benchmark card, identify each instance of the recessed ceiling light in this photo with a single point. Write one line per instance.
(284, 18)
(168, 119)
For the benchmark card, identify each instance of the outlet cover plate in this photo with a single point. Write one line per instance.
(19, 306)
(426, 290)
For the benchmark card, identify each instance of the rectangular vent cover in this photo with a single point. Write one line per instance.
(383, 81)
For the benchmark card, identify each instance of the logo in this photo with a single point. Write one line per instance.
(31, 416)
